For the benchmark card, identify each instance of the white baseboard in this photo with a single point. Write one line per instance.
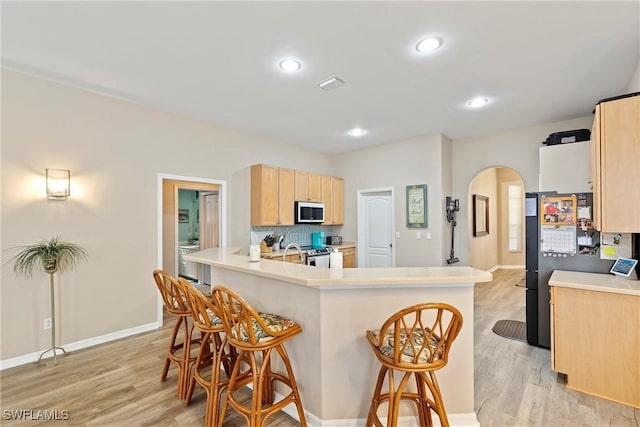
(506, 267)
(90, 342)
(455, 420)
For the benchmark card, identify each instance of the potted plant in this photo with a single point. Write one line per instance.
(52, 255)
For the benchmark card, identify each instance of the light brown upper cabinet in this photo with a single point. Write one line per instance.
(338, 200)
(615, 174)
(327, 198)
(308, 187)
(332, 197)
(272, 190)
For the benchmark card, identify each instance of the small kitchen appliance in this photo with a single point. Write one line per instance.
(309, 213)
(317, 240)
(334, 240)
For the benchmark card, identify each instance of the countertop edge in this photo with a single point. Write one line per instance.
(228, 258)
(596, 282)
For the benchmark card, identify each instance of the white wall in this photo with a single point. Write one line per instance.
(634, 83)
(115, 151)
(409, 162)
(517, 149)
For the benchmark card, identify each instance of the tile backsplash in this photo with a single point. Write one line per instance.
(300, 234)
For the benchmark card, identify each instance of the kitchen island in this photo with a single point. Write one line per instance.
(333, 363)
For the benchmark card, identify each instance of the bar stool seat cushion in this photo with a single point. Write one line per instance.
(274, 322)
(410, 348)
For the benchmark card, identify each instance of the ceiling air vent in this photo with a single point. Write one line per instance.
(330, 83)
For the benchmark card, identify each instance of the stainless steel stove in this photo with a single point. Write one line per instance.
(317, 257)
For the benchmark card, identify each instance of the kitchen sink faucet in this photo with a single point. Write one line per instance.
(289, 246)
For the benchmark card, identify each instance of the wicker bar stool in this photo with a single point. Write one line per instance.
(415, 341)
(178, 352)
(257, 334)
(214, 352)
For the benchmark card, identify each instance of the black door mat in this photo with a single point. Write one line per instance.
(512, 329)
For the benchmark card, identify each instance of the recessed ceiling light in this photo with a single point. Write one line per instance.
(429, 44)
(289, 65)
(478, 102)
(357, 132)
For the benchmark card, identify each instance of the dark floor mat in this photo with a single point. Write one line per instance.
(512, 329)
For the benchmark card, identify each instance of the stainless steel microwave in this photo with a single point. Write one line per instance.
(308, 212)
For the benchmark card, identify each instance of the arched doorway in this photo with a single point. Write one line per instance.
(497, 216)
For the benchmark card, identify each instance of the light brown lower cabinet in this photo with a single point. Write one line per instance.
(595, 341)
(348, 257)
(293, 258)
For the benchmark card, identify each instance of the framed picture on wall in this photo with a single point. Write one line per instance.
(183, 215)
(480, 215)
(417, 206)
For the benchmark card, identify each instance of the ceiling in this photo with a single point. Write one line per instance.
(536, 62)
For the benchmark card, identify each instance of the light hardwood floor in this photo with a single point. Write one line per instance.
(117, 384)
(514, 384)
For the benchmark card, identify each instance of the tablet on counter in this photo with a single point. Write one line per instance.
(623, 267)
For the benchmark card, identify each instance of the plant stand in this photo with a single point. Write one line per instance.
(53, 327)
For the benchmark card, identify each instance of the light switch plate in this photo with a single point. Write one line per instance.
(418, 235)
(397, 234)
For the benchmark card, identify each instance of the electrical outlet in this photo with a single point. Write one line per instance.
(47, 323)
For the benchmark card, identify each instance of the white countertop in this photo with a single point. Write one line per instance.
(595, 282)
(340, 278)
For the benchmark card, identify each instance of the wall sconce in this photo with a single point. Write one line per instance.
(58, 184)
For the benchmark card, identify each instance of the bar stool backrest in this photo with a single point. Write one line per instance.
(419, 335)
(244, 326)
(204, 313)
(172, 294)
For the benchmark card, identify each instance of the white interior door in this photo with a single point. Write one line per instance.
(376, 233)
(209, 228)
(209, 221)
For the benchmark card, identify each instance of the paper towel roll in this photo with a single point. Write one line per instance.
(254, 252)
(335, 260)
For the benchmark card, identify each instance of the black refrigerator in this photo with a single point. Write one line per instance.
(541, 261)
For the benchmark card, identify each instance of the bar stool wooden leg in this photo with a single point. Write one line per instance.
(438, 407)
(424, 413)
(172, 340)
(294, 386)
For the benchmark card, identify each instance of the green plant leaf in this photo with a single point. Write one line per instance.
(30, 258)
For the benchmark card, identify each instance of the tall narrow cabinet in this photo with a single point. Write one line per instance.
(615, 165)
(332, 197)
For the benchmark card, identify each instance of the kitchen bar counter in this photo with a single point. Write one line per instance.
(334, 365)
(345, 278)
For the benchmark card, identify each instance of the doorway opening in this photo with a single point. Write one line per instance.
(501, 218)
(191, 217)
(376, 228)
